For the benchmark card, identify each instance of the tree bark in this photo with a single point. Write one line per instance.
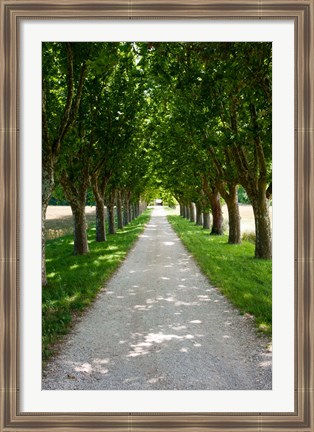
(47, 188)
(76, 195)
(234, 223)
(216, 212)
(43, 246)
(187, 212)
(263, 242)
(206, 220)
(126, 219)
(100, 220)
(99, 184)
(119, 210)
(111, 221)
(135, 210)
(231, 198)
(80, 233)
(192, 212)
(130, 211)
(100, 216)
(213, 197)
(199, 215)
(181, 209)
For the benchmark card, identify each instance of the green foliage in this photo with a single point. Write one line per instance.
(74, 281)
(245, 281)
(242, 196)
(58, 198)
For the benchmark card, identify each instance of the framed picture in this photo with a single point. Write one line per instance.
(290, 20)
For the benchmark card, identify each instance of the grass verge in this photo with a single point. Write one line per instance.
(74, 281)
(244, 280)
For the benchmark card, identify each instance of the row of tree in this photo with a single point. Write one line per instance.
(93, 101)
(121, 119)
(212, 129)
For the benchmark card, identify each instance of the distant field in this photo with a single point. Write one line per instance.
(246, 213)
(59, 219)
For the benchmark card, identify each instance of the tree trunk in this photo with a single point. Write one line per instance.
(234, 216)
(111, 221)
(80, 233)
(47, 188)
(217, 213)
(134, 209)
(125, 214)
(263, 242)
(43, 246)
(100, 216)
(125, 208)
(192, 212)
(119, 210)
(187, 212)
(206, 220)
(199, 216)
(181, 209)
(130, 211)
(75, 189)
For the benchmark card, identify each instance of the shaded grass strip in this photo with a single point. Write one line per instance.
(75, 280)
(244, 280)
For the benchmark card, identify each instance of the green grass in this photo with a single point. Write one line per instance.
(74, 281)
(244, 280)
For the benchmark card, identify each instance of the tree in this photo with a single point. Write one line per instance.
(62, 85)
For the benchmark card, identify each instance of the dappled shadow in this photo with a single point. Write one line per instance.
(161, 325)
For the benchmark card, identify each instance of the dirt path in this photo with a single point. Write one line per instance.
(160, 325)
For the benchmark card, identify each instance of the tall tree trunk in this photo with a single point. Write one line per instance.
(47, 188)
(181, 209)
(125, 215)
(100, 216)
(111, 218)
(80, 233)
(199, 215)
(130, 211)
(206, 220)
(187, 212)
(100, 220)
(76, 195)
(43, 246)
(134, 210)
(99, 183)
(263, 242)
(231, 199)
(212, 194)
(111, 221)
(119, 210)
(192, 212)
(216, 212)
(234, 223)
(126, 219)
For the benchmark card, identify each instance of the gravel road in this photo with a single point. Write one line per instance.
(160, 325)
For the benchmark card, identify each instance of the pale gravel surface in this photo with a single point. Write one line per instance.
(160, 325)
